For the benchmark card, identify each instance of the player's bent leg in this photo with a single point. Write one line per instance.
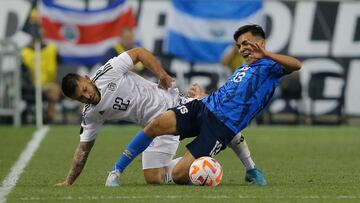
(165, 124)
(241, 149)
(157, 159)
(139, 143)
(239, 146)
(155, 175)
(180, 173)
(161, 175)
(155, 163)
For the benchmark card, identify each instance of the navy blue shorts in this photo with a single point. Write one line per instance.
(195, 120)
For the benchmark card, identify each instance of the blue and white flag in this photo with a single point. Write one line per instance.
(199, 31)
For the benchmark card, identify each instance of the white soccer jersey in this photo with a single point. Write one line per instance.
(129, 97)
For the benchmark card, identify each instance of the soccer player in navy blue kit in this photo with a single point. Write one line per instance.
(218, 117)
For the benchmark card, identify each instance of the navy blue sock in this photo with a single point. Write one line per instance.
(139, 143)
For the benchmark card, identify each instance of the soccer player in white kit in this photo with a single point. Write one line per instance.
(115, 93)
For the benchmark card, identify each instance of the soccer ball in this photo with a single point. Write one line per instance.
(205, 171)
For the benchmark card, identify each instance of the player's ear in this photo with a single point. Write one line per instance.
(262, 43)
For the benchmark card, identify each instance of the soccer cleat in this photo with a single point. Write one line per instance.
(255, 177)
(168, 178)
(113, 179)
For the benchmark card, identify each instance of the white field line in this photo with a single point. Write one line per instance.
(125, 197)
(16, 170)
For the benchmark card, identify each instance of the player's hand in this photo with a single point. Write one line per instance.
(62, 184)
(165, 82)
(257, 51)
(195, 91)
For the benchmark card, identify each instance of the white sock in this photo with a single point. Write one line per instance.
(241, 149)
(169, 169)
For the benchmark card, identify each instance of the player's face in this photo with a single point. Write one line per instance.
(245, 49)
(86, 92)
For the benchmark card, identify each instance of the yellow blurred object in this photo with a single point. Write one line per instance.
(236, 61)
(48, 62)
(33, 13)
(232, 58)
(120, 49)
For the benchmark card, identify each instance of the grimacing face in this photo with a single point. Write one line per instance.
(86, 92)
(245, 49)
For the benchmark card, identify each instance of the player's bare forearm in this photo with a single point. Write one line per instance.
(81, 154)
(289, 63)
(148, 59)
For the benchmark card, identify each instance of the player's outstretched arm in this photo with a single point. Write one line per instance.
(289, 63)
(151, 63)
(81, 154)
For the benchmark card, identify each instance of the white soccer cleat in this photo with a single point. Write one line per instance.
(113, 179)
(168, 178)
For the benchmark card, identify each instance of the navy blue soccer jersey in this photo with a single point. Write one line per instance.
(246, 93)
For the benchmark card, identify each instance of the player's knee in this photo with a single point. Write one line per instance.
(154, 176)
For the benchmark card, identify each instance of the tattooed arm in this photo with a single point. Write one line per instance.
(81, 154)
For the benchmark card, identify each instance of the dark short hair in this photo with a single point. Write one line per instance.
(255, 30)
(69, 84)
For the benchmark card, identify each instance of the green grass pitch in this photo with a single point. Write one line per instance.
(301, 164)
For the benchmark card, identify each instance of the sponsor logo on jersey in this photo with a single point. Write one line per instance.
(111, 86)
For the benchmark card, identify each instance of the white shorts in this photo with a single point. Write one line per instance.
(155, 159)
(160, 152)
(165, 143)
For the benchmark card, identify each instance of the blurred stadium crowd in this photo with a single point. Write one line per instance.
(192, 40)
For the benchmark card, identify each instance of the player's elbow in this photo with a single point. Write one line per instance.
(297, 65)
(294, 66)
(140, 51)
(137, 53)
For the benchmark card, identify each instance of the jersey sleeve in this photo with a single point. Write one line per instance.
(121, 63)
(89, 129)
